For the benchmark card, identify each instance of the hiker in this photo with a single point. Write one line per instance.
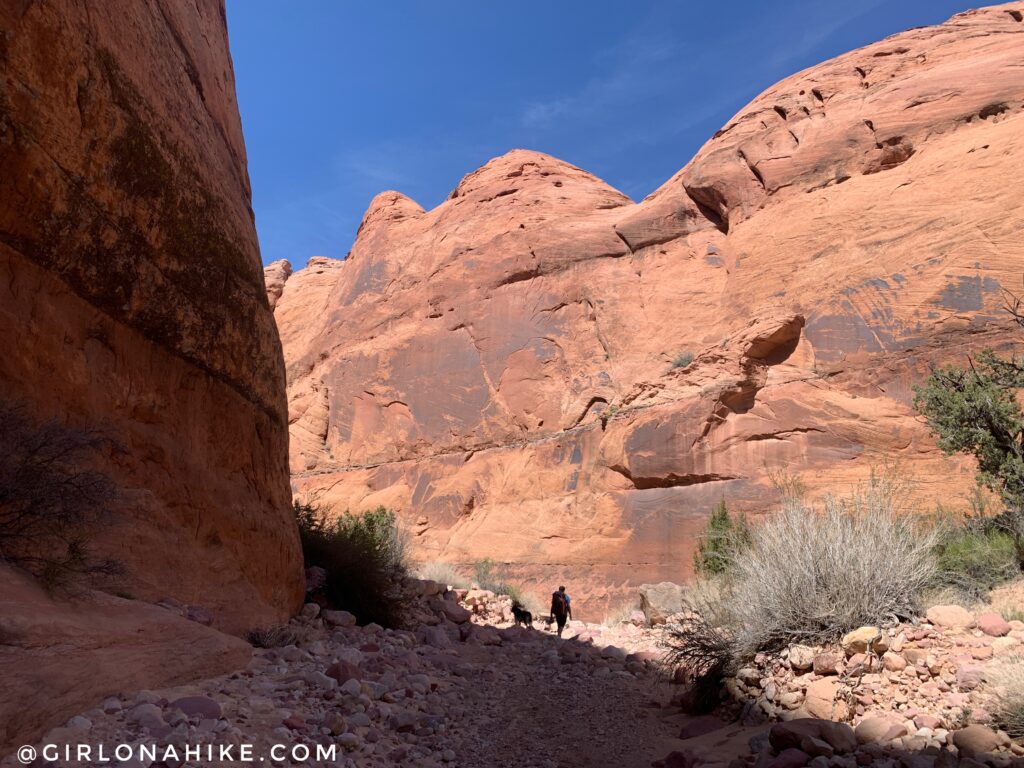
(561, 608)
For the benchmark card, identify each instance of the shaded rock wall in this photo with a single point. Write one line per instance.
(131, 291)
(500, 368)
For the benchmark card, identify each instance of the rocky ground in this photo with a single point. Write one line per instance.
(458, 691)
(468, 688)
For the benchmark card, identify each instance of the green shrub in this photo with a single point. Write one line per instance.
(722, 540)
(363, 557)
(682, 360)
(973, 558)
(975, 411)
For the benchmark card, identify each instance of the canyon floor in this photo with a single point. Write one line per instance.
(467, 688)
(450, 694)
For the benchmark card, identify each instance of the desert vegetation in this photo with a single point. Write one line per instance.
(722, 541)
(974, 410)
(54, 498)
(682, 360)
(811, 573)
(1008, 679)
(363, 558)
(807, 574)
(974, 555)
(271, 637)
(443, 573)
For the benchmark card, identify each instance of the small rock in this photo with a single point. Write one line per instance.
(993, 625)
(197, 706)
(975, 740)
(335, 723)
(111, 705)
(969, 676)
(864, 638)
(338, 618)
(402, 721)
(822, 700)
(436, 637)
(893, 662)
(146, 716)
(791, 699)
(455, 612)
(839, 736)
(827, 664)
(343, 671)
(878, 730)
(80, 723)
(816, 747)
(349, 740)
(801, 657)
(950, 616)
(927, 721)
(310, 611)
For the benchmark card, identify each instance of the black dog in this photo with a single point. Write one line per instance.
(522, 616)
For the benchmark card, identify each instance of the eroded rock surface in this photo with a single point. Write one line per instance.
(132, 300)
(501, 369)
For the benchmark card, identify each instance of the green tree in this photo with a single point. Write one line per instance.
(722, 539)
(363, 559)
(974, 410)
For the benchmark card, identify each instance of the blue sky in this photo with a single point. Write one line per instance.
(342, 99)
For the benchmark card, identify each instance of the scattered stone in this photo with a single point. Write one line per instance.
(455, 612)
(950, 616)
(865, 638)
(969, 676)
(993, 625)
(839, 736)
(197, 706)
(878, 730)
(975, 740)
(338, 618)
(801, 657)
(146, 716)
(827, 664)
(80, 723)
(822, 700)
(893, 662)
(111, 705)
(659, 601)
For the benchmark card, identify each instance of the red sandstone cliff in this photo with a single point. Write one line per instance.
(132, 300)
(500, 368)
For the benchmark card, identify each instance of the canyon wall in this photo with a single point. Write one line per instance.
(505, 369)
(132, 301)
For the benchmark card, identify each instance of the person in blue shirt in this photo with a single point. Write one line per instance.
(561, 608)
